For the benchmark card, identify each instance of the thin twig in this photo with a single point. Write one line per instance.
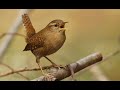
(12, 70)
(97, 72)
(112, 54)
(3, 34)
(23, 70)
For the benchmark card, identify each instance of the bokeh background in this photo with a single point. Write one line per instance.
(88, 31)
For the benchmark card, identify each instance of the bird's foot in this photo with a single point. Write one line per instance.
(49, 77)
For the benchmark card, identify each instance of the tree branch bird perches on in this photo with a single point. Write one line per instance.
(76, 66)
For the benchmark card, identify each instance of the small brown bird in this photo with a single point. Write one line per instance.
(45, 42)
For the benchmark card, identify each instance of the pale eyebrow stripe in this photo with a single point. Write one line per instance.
(52, 23)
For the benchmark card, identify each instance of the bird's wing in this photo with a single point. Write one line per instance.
(30, 31)
(34, 43)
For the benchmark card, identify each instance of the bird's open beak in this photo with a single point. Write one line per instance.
(64, 29)
(63, 26)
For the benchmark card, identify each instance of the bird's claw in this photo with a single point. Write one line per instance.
(49, 77)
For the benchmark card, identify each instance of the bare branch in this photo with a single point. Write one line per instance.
(3, 34)
(76, 66)
(112, 54)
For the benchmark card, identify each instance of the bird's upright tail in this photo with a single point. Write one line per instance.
(30, 31)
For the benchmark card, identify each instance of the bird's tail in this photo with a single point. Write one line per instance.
(30, 31)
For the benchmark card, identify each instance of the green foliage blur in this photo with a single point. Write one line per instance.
(88, 31)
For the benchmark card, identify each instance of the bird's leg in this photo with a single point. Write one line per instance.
(54, 64)
(50, 61)
(38, 62)
(47, 76)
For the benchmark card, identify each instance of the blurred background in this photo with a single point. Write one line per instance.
(88, 31)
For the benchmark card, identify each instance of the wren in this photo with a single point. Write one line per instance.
(45, 42)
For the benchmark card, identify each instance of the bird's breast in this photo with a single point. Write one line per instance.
(54, 42)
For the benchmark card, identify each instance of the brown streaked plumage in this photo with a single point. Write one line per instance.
(45, 42)
(30, 31)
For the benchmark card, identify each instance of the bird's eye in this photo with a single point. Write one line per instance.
(56, 25)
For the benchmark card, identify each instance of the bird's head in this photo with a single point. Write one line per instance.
(57, 26)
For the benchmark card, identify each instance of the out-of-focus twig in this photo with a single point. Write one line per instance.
(14, 28)
(112, 54)
(97, 72)
(18, 34)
